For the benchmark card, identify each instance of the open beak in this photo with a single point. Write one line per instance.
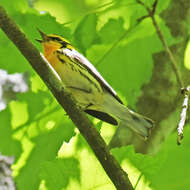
(43, 35)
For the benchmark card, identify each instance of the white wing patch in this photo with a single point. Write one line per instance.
(75, 55)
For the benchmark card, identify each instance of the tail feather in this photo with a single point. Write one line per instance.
(138, 123)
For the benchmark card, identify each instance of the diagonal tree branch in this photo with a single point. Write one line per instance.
(110, 165)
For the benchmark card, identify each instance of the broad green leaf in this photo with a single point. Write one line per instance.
(8, 144)
(66, 171)
(90, 174)
(19, 113)
(173, 173)
(112, 30)
(147, 165)
(14, 6)
(85, 33)
(67, 11)
(47, 136)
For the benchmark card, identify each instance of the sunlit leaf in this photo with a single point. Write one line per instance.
(187, 56)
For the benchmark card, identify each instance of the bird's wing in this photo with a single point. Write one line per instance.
(77, 57)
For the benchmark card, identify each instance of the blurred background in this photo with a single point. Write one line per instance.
(48, 150)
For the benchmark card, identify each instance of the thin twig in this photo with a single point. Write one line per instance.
(173, 62)
(183, 114)
(111, 166)
(151, 13)
(154, 6)
(172, 59)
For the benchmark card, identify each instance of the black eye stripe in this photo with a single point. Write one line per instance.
(63, 43)
(56, 39)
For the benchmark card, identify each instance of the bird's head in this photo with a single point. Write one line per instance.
(52, 42)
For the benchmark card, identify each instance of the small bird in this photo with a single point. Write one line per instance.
(92, 93)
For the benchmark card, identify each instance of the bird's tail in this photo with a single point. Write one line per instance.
(136, 122)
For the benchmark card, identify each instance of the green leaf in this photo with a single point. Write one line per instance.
(147, 165)
(173, 173)
(14, 6)
(112, 30)
(85, 33)
(46, 145)
(92, 175)
(66, 170)
(8, 144)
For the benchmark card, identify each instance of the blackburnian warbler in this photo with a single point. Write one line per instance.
(92, 93)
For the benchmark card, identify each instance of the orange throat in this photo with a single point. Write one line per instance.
(48, 50)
